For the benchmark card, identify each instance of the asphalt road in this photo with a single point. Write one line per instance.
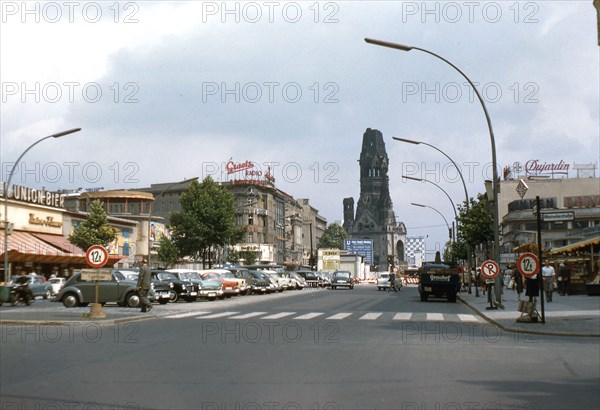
(319, 350)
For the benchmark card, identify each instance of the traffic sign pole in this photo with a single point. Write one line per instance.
(96, 256)
(490, 269)
(539, 240)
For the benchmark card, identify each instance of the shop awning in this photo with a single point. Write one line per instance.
(45, 248)
(579, 246)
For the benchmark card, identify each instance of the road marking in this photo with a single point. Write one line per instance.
(434, 316)
(187, 314)
(248, 315)
(467, 318)
(370, 316)
(402, 316)
(338, 316)
(279, 315)
(216, 315)
(309, 316)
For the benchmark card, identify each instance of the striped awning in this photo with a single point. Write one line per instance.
(45, 248)
(579, 246)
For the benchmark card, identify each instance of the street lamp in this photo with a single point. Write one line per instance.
(430, 207)
(7, 187)
(489, 124)
(444, 154)
(431, 182)
(150, 212)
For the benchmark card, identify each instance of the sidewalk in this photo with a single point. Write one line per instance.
(573, 315)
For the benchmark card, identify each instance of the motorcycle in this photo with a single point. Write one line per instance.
(20, 293)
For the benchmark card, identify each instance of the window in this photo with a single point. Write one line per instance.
(250, 220)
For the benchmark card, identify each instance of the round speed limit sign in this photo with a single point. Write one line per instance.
(528, 265)
(490, 269)
(96, 256)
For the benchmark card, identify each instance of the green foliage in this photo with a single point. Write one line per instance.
(333, 237)
(476, 223)
(95, 230)
(167, 251)
(249, 257)
(206, 220)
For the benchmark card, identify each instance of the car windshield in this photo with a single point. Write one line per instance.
(118, 275)
(166, 276)
(211, 276)
(342, 274)
(189, 275)
(227, 275)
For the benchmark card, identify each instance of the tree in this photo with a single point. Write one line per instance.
(167, 251)
(95, 230)
(249, 257)
(206, 220)
(333, 237)
(476, 225)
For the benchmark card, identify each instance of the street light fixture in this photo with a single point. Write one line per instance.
(431, 182)
(7, 187)
(427, 206)
(403, 47)
(150, 213)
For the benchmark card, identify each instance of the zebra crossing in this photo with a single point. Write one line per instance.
(338, 316)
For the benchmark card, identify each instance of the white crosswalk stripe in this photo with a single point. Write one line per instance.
(338, 316)
(218, 315)
(279, 315)
(248, 315)
(309, 316)
(371, 316)
(186, 314)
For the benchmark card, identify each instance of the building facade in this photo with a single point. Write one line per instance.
(375, 218)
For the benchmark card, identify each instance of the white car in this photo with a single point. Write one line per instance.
(56, 284)
(383, 281)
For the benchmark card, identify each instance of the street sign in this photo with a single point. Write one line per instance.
(96, 256)
(558, 216)
(490, 269)
(522, 188)
(528, 265)
(96, 274)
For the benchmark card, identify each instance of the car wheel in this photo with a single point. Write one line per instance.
(173, 296)
(13, 300)
(70, 300)
(132, 300)
(48, 294)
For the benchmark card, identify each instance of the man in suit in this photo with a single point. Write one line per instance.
(143, 285)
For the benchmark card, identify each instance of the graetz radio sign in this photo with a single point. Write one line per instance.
(251, 173)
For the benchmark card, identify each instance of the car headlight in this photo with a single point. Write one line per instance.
(171, 285)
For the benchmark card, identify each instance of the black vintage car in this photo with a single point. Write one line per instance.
(342, 279)
(180, 289)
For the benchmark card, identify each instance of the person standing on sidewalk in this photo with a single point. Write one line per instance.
(518, 280)
(143, 285)
(564, 279)
(548, 280)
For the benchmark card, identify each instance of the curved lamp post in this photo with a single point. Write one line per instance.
(403, 47)
(7, 187)
(430, 207)
(431, 182)
(150, 213)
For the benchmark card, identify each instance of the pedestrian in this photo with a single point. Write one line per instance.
(564, 279)
(548, 280)
(518, 281)
(393, 282)
(143, 285)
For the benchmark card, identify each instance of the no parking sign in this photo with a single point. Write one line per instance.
(490, 269)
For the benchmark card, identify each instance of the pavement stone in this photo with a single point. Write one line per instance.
(570, 315)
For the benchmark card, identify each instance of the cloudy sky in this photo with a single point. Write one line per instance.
(170, 90)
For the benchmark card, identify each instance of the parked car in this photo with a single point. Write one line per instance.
(230, 286)
(342, 278)
(56, 284)
(209, 289)
(325, 279)
(260, 284)
(180, 289)
(37, 284)
(279, 284)
(299, 281)
(80, 292)
(162, 289)
(310, 277)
